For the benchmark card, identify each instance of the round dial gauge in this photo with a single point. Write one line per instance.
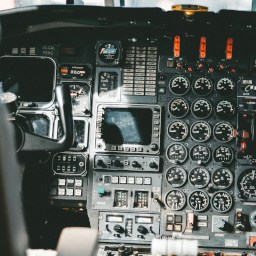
(200, 154)
(179, 85)
(222, 178)
(225, 109)
(198, 200)
(177, 153)
(199, 177)
(221, 201)
(178, 130)
(175, 200)
(109, 53)
(223, 155)
(201, 108)
(178, 107)
(225, 87)
(200, 131)
(79, 93)
(176, 176)
(247, 184)
(202, 86)
(223, 132)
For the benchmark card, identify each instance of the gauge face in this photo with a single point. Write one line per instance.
(202, 86)
(176, 176)
(200, 154)
(198, 201)
(201, 108)
(199, 177)
(79, 93)
(177, 153)
(178, 130)
(8, 97)
(247, 184)
(200, 131)
(225, 87)
(222, 178)
(179, 85)
(178, 107)
(175, 200)
(225, 109)
(223, 132)
(109, 53)
(223, 155)
(221, 201)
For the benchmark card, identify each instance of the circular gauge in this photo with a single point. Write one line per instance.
(79, 93)
(225, 109)
(179, 85)
(247, 184)
(201, 108)
(223, 155)
(199, 177)
(109, 53)
(200, 131)
(176, 176)
(178, 130)
(8, 97)
(223, 132)
(175, 200)
(178, 107)
(198, 201)
(221, 201)
(202, 86)
(225, 87)
(200, 154)
(177, 153)
(222, 178)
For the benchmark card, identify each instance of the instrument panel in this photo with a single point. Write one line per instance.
(164, 136)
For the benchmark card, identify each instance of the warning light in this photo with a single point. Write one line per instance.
(176, 46)
(229, 48)
(202, 51)
(64, 71)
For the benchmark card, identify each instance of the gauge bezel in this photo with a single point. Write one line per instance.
(209, 131)
(200, 77)
(183, 171)
(215, 127)
(202, 162)
(208, 177)
(175, 77)
(177, 162)
(223, 163)
(239, 187)
(229, 116)
(184, 100)
(182, 193)
(193, 104)
(228, 171)
(216, 84)
(214, 195)
(196, 191)
(186, 127)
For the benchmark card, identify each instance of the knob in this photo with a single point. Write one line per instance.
(154, 147)
(153, 165)
(119, 229)
(141, 229)
(121, 250)
(100, 162)
(242, 221)
(135, 164)
(225, 226)
(117, 163)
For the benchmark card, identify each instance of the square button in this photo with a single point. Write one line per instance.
(70, 182)
(178, 219)
(78, 192)
(69, 191)
(170, 218)
(78, 183)
(61, 192)
(131, 180)
(61, 182)
(147, 181)
(139, 180)
(115, 179)
(178, 227)
(123, 180)
(169, 227)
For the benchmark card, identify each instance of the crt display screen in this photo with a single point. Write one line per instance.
(127, 126)
(31, 79)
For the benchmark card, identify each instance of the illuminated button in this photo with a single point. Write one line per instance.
(61, 182)
(178, 227)
(109, 162)
(64, 71)
(78, 183)
(178, 219)
(74, 169)
(133, 149)
(156, 122)
(140, 149)
(69, 158)
(157, 116)
(139, 180)
(120, 148)
(156, 135)
(113, 148)
(70, 182)
(15, 50)
(169, 227)
(58, 167)
(131, 180)
(68, 168)
(78, 192)
(63, 168)
(107, 179)
(126, 149)
(123, 180)
(64, 158)
(147, 181)
(139, 93)
(69, 191)
(61, 192)
(126, 162)
(115, 179)
(170, 218)
(59, 158)
(150, 94)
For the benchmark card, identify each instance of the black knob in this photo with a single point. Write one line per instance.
(141, 229)
(225, 226)
(153, 165)
(100, 162)
(117, 163)
(154, 147)
(119, 229)
(135, 164)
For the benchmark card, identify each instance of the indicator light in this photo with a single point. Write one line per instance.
(229, 48)
(202, 51)
(176, 46)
